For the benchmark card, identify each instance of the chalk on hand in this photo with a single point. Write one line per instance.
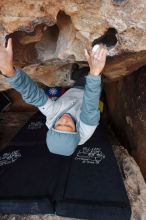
(96, 46)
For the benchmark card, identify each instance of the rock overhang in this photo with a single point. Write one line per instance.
(48, 31)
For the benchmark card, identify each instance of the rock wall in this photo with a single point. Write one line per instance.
(127, 110)
(49, 29)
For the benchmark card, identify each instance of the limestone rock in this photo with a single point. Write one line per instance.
(49, 29)
(51, 73)
(134, 182)
(126, 105)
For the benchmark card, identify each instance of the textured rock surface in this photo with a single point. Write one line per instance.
(48, 29)
(127, 109)
(134, 183)
(49, 73)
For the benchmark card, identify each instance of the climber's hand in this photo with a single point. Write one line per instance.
(96, 59)
(6, 60)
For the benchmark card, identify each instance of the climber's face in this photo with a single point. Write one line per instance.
(65, 123)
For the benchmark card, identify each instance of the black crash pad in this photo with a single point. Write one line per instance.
(33, 132)
(94, 188)
(86, 185)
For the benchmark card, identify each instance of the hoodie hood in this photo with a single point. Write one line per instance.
(62, 143)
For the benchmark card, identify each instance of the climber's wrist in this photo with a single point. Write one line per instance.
(95, 72)
(9, 71)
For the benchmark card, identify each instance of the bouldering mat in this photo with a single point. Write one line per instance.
(86, 185)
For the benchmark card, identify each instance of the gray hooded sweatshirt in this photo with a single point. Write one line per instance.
(81, 104)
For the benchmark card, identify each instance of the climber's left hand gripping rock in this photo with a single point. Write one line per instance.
(6, 59)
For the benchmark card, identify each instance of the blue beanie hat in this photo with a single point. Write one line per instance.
(61, 142)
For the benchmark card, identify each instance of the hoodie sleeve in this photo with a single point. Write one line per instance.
(30, 91)
(90, 114)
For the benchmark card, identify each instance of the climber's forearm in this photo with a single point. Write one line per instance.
(29, 90)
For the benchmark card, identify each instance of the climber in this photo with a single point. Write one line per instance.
(73, 118)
